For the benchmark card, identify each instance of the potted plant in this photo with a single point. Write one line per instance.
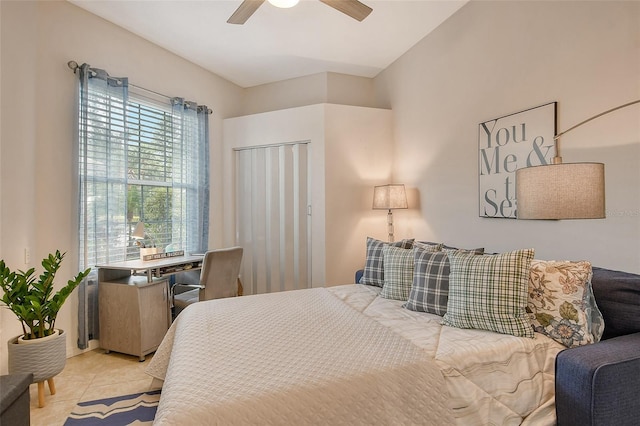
(42, 348)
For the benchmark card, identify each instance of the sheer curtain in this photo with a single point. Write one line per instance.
(102, 184)
(102, 166)
(190, 174)
(106, 133)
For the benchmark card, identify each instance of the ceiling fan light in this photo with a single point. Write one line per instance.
(283, 3)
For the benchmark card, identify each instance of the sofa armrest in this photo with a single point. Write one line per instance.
(14, 399)
(599, 384)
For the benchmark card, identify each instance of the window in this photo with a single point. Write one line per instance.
(149, 173)
(141, 157)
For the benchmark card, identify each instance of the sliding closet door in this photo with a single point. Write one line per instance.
(273, 216)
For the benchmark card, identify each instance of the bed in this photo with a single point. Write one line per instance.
(345, 355)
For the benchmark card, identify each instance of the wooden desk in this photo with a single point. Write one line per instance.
(134, 302)
(160, 268)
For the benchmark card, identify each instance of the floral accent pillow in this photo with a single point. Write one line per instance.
(561, 303)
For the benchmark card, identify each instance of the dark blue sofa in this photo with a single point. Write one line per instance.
(599, 384)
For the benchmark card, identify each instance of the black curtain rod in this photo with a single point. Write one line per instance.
(73, 65)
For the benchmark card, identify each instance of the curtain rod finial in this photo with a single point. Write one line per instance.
(73, 65)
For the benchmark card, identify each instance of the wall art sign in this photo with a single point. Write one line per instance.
(508, 143)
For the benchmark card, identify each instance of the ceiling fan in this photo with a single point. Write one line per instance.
(353, 8)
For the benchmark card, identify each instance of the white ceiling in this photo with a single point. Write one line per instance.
(277, 44)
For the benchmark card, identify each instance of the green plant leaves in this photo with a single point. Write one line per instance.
(34, 301)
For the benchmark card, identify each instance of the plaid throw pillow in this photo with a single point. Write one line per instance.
(464, 251)
(428, 245)
(374, 265)
(398, 273)
(490, 292)
(430, 287)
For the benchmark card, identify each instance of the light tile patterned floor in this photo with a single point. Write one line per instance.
(92, 375)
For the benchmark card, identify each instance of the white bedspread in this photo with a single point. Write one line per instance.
(491, 378)
(305, 357)
(301, 357)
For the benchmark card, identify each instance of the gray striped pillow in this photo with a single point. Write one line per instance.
(430, 287)
(490, 292)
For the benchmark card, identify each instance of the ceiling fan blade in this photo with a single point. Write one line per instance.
(244, 11)
(353, 8)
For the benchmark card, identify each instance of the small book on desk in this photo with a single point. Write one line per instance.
(156, 256)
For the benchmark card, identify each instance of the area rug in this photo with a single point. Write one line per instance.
(138, 409)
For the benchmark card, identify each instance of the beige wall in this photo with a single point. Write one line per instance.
(491, 59)
(38, 39)
(329, 87)
(358, 150)
(350, 152)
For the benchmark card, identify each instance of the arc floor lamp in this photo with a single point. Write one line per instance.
(563, 190)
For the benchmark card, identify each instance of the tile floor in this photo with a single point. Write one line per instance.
(86, 377)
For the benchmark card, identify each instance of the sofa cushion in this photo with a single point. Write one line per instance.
(618, 297)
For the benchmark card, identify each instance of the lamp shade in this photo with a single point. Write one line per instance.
(387, 197)
(561, 191)
(138, 232)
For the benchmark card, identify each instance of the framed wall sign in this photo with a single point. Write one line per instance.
(508, 143)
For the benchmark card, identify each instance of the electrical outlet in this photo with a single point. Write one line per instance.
(27, 256)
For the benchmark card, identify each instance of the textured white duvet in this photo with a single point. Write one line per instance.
(342, 355)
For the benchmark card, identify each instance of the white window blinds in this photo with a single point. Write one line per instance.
(142, 157)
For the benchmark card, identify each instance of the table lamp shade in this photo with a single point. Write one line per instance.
(387, 197)
(561, 191)
(138, 232)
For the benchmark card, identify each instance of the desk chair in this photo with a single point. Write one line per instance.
(218, 279)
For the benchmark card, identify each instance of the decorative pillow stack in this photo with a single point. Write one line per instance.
(374, 266)
(508, 293)
(561, 304)
(490, 292)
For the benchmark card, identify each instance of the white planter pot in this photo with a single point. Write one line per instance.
(45, 357)
(23, 341)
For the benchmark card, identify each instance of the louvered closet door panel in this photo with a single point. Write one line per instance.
(272, 220)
